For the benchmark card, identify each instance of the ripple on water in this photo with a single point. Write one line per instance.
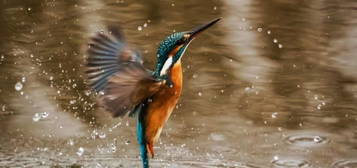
(27, 159)
(208, 164)
(345, 164)
(306, 140)
(290, 163)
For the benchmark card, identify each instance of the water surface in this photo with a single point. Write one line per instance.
(272, 85)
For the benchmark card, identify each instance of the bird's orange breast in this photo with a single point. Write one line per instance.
(163, 103)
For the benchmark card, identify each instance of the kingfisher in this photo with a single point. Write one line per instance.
(125, 87)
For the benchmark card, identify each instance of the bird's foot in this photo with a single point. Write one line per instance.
(150, 148)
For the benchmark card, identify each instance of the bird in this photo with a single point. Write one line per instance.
(124, 87)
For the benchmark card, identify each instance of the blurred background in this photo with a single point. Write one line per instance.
(274, 84)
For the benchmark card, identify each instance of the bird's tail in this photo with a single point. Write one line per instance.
(141, 139)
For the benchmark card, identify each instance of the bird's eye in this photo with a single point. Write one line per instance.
(181, 41)
(184, 39)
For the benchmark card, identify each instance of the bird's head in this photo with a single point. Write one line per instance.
(173, 47)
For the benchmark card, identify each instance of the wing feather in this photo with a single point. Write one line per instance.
(116, 69)
(127, 88)
(106, 52)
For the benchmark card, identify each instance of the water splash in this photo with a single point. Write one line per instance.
(18, 86)
(306, 140)
(140, 28)
(80, 151)
(39, 116)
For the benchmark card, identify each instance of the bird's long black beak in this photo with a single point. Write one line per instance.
(201, 28)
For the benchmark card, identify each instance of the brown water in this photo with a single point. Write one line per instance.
(274, 84)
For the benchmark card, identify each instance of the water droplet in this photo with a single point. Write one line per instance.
(145, 25)
(243, 19)
(70, 142)
(316, 97)
(260, 29)
(140, 28)
(127, 142)
(39, 116)
(51, 77)
(23, 79)
(199, 93)
(318, 107)
(215, 8)
(317, 139)
(274, 115)
(280, 45)
(44, 115)
(276, 158)
(80, 151)
(18, 86)
(72, 101)
(94, 134)
(102, 135)
(275, 40)
(269, 32)
(113, 148)
(29, 9)
(87, 92)
(36, 117)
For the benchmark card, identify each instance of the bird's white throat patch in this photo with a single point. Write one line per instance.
(166, 66)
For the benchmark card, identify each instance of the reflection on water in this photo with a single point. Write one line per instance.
(272, 85)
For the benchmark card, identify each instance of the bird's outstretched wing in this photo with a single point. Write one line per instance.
(116, 71)
(105, 54)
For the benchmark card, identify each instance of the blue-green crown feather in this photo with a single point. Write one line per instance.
(164, 49)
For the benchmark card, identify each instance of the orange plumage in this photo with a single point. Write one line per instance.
(161, 107)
